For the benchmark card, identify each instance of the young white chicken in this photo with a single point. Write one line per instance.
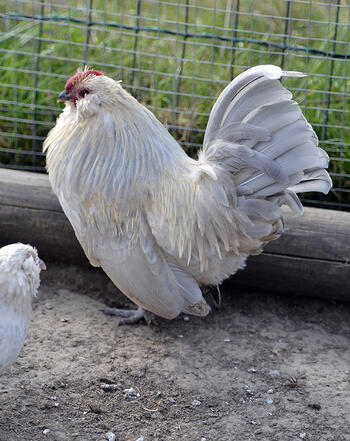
(20, 269)
(162, 225)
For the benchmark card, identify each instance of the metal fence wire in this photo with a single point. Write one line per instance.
(175, 56)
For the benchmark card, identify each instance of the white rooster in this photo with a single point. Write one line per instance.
(20, 269)
(162, 225)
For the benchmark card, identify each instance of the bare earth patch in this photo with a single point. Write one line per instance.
(264, 367)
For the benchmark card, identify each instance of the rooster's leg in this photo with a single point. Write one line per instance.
(131, 315)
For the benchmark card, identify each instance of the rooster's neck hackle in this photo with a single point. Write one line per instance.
(113, 145)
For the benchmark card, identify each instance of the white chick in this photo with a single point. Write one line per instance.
(20, 269)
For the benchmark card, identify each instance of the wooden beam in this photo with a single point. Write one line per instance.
(318, 234)
(312, 257)
(30, 213)
(294, 275)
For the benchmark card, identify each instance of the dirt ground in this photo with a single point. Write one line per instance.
(263, 368)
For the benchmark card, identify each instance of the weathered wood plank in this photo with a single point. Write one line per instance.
(312, 257)
(49, 231)
(285, 274)
(26, 189)
(318, 234)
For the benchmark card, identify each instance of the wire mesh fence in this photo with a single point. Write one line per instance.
(175, 56)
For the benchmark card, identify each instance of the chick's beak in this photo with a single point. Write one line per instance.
(64, 96)
(42, 265)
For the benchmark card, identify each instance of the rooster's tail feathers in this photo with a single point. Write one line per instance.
(259, 134)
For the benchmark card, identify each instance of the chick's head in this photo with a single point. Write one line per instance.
(20, 267)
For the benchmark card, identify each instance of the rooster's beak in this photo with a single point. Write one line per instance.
(42, 265)
(64, 96)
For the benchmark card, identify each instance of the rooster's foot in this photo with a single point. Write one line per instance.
(131, 315)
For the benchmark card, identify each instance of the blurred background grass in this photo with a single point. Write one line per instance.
(176, 57)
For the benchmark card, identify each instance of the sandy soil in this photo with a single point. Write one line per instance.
(263, 368)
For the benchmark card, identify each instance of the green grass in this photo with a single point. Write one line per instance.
(180, 93)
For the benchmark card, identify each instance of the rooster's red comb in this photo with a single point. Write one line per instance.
(80, 76)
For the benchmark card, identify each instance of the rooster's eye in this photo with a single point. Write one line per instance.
(83, 92)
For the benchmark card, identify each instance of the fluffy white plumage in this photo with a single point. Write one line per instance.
(161, 224)
(20, 269)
